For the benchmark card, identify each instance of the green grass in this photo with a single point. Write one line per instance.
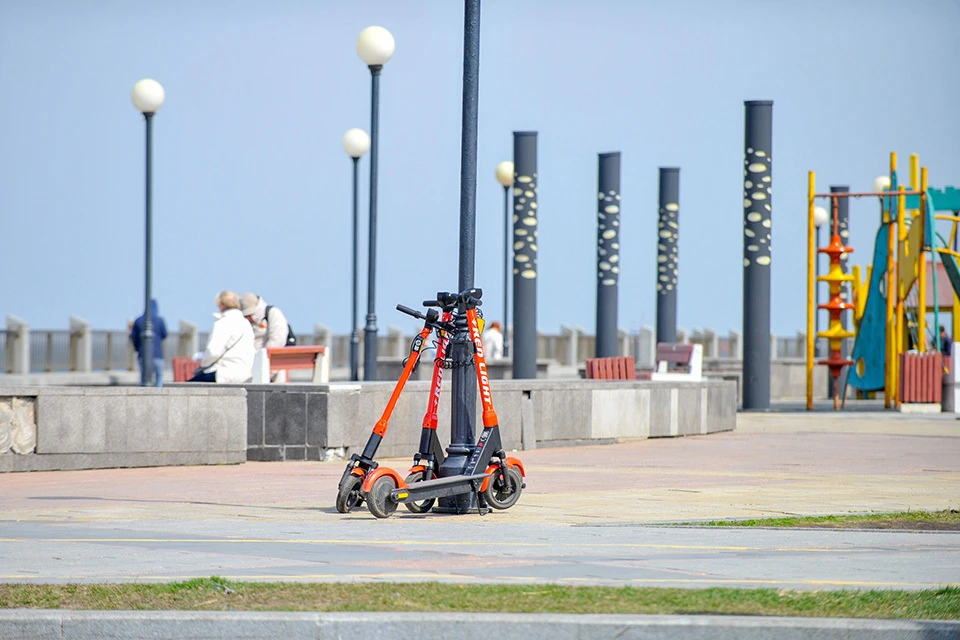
(216, 594)
(946, 520)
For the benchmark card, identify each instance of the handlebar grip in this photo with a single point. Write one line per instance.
(431, 303)
(409, 311)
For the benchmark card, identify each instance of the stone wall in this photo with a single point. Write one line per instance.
(312, 422)
(99, 427)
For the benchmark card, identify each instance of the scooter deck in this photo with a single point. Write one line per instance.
(438, 488)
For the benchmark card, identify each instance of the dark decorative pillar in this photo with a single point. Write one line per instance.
(757, 225)
(524, 254)
(464, 387)
(668, 230)
(608, 252)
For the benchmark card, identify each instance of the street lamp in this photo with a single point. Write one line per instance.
(356, 142)
(148, 97)
(505, 178)
(820, 217)
(375, 47)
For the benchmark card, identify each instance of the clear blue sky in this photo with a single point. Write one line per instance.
(252, 189)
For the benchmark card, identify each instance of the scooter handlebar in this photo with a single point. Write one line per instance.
(431, 303)
(409, 311)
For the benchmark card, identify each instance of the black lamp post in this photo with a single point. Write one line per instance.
(464, 392)
(356, 142)
(505, 178)
(375, 47)
(148, 96)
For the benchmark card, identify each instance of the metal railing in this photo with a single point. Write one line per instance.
(112, 351)
(50, 351)
(56, 350)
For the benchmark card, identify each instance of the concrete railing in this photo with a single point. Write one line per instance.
(83, 349)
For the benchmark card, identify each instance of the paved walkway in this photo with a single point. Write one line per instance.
(582, 519)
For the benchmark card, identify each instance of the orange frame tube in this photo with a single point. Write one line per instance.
(483, 378)
(431, 417)
(381, 427)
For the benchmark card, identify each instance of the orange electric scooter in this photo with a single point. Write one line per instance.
(429, 456)
(495, 479)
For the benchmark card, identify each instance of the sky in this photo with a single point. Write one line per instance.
(252, 190)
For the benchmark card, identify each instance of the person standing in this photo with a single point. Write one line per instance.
(159, 335)
(946, 343)
(270, 326)
(493, 342)
(228, 357)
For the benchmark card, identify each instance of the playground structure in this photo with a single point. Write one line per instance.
(886, 326)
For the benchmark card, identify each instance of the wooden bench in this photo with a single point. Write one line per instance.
(622, 368)
(312, 357)
(183, 368)
(688, 357)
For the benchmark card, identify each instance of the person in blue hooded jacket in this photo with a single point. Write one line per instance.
(159, 334)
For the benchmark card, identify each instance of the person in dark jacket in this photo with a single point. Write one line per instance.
(159, 335)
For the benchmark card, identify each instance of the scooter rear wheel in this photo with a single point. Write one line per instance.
(349, 496)
(378, 499)
(424, 505)
(500, 495)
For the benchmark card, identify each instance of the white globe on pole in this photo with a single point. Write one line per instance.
(881, 184)
(148, 95)
(505, 173)
(375, 46)
(820, 216)
(356, 142)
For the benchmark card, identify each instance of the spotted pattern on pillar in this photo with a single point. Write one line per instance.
(525, 226)
(757, 220)
(668, 261)
(608, 238)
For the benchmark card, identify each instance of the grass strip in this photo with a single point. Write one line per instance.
(217, 594)
(946, 520)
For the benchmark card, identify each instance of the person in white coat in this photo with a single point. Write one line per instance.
(229, 354)
(492, 342)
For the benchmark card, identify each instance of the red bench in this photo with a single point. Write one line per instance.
(616, 368)
(298, 357)
(183, 368)
(688, 357)
(301, 357)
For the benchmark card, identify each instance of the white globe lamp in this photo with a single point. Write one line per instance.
(375, 46)
(356, 142)
(505, 173)
(148, 95)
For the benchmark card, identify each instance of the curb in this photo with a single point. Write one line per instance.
(29, 624)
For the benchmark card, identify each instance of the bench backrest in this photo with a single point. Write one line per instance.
(615, 368)
(675, 353)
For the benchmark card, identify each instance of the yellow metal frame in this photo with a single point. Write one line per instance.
(895, 324)
(811, 296)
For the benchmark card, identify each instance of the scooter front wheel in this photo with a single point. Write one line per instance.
(424, 505)
(503, 495)
(348, 495)
(378, 499)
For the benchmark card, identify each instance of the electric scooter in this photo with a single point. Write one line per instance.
(497, 480)
(429, 456)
